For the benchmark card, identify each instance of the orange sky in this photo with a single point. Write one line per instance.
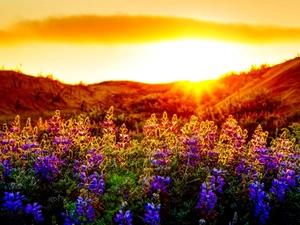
(148, 41)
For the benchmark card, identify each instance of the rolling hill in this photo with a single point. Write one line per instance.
(263, 93)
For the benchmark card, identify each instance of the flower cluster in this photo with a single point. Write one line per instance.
(13, 202)
(6, 166)
(101, 165)
(260, 200)
(152, 216)
(192, 151)
(207, 201)
(54, 124)
(231, 142)
(123, 217)
(124, 138)
(70, 218)
(83, 212)
(35, 210)
(208, 197)
(285, 180)
(29, 145)
(159, 184)
(161, 158)
(266, 159)
(94, 183)
(84, 209)
(243, 168)
(217, 180)
(63, 143)
(47, 166)
(94, 159)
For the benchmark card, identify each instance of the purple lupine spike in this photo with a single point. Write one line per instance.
(152, 216)
(123, 217)
(13, 201)
(35, 210)
(259, 198)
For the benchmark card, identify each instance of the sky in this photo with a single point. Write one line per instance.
(145, 40)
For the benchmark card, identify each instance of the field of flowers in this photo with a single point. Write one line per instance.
(76, 171)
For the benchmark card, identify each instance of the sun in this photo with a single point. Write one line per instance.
(193, 60)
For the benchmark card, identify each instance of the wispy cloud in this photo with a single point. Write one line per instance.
(123, 29)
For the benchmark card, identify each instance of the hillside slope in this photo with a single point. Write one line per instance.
(281, 82)
(274, 89)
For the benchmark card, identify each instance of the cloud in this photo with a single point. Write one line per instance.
(124, 29)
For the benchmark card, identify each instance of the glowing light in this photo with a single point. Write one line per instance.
(168, 61)
(193, 60)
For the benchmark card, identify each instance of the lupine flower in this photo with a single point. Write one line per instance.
(35, 210)
(13, 201)
(208, 199)
(47, 166)
(161, 158)
(266, 158)
(192, 151)
(278, 188)
(124, 138)
(14, 129)
(76, 166)
(285, 180)
(217, 181)
(96, 184)
(259, 197)
(7, 166)
(159, 183)
(123, 218)
(29, 145)
(69, 218)
(242, 168)
(8, 141)
(94, 159)
(62, 140)
(85, 209)
(152, 214)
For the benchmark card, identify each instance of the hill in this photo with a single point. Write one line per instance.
(265, 94)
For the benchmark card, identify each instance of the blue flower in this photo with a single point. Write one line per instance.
(152, 214)
(208, 199)
(47, 167)
(85, 209)
(35, 210)
(96, 184)
(123, 218)
(13, 201)
(7, 166)
(259, 198)
(69, 219)
(159, 183)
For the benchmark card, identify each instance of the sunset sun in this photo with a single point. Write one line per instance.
(193, 60)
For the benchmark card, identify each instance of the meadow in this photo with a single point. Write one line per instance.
(78, 171)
